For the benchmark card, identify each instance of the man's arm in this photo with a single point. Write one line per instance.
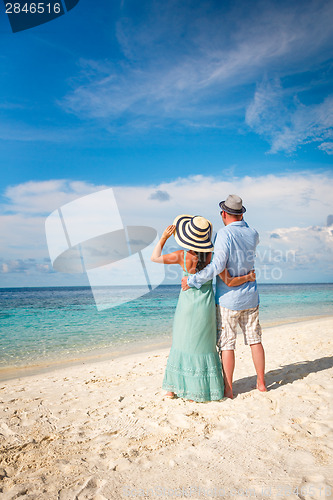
(221, 254)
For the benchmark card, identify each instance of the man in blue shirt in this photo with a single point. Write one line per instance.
(234, 249)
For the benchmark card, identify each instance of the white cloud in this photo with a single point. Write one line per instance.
(26, 266)
(296, 254)
(182, 63)
(303, 247)
(22, 216)
(42, 197)
(291, 207)
(327, 147)
(271, 201)
(286, 122)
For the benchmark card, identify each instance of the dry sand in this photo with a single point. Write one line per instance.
(104, 430)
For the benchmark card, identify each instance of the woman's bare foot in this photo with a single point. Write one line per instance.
(170, 395)
(261, 387)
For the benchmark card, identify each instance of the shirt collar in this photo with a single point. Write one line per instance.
(238, 223)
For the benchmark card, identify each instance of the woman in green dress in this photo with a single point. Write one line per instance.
(194, 369)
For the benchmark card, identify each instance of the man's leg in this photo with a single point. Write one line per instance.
(249, 323)
(226, 342)
(258, 356)
(228, 366)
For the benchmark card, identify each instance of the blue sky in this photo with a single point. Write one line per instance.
(150, 95)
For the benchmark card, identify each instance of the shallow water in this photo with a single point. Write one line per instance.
(42, 324)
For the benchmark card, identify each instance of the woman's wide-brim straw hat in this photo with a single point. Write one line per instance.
(193, 233)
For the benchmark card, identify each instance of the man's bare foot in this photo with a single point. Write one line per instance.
(261, 387)
(228, 394)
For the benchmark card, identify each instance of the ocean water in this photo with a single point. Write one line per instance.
(38, 325)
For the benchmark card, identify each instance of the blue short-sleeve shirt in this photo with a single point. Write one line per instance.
(234, 249)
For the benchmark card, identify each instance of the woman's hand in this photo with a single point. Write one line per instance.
(252, 275)
(237, 280)
(168, 232)
(156, 256)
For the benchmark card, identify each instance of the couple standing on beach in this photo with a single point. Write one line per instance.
(194, 369)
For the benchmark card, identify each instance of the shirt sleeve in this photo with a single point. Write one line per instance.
(220, 258)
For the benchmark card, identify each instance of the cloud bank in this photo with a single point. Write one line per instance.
(289, 212)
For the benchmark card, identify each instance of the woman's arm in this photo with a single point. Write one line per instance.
(237, 280)
(170, 258)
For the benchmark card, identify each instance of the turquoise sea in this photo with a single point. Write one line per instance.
(41, 325)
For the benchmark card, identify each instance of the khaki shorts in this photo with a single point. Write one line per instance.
(227, 321)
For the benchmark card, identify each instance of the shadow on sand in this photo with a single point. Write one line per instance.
(287, 374)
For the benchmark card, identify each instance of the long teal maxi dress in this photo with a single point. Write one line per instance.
(194, 369)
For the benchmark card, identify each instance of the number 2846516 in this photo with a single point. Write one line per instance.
(33, 8)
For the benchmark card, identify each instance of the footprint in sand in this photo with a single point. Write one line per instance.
(315, 487)
(90, 490)
(128, 427)
(6, 431)
(177, 420)
(319, 429)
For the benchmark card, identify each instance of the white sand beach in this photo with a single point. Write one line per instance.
(103, 430)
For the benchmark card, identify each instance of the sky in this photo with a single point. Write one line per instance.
(174, 105)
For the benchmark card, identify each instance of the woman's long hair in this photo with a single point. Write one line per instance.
(202, 260)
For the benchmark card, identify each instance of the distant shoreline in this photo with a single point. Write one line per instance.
(87, 287)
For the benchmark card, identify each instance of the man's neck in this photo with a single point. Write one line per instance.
(230, 220)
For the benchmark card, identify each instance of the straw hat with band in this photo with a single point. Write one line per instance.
(193, 233)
